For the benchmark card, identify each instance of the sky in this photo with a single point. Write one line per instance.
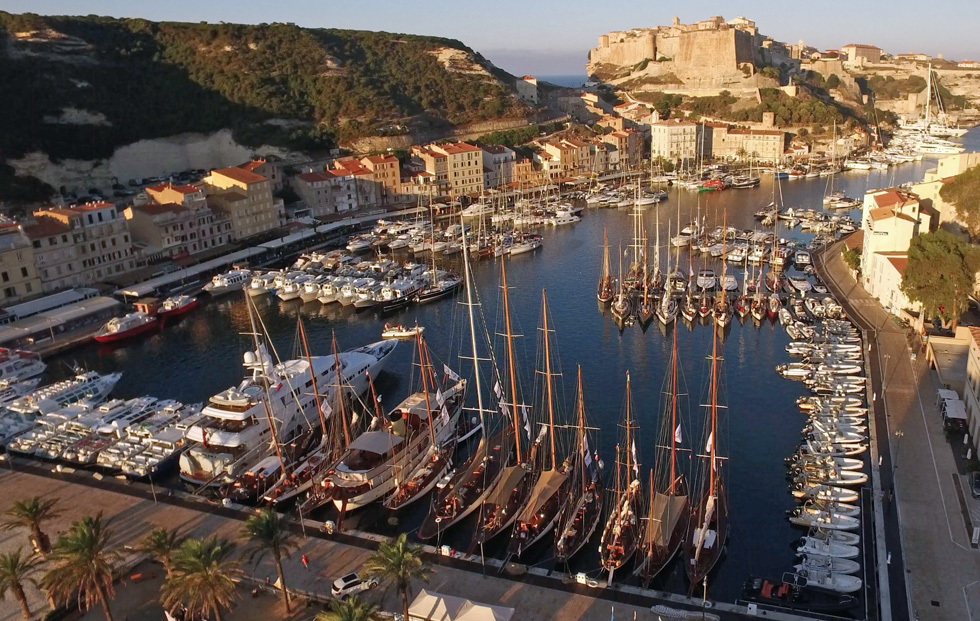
(552, 37)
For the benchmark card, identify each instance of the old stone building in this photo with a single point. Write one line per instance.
(246, 198)
(19, 279)
(177, 221)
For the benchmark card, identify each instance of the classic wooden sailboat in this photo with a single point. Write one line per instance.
(621, 535)
(501, 506)
(622, 306)
(722, 311)
(605, 292)
(424, 478)
(470, 485)
(549, 495)
(669, 512)
(583, 508)
(645, 311)
(708, 530)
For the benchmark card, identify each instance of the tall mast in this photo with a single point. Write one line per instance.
(929, 95)
(581, 428)
(510, 362)
(673, 414)
(265, 387)
(309, 362)
(425, 385)
(469, 308)
(656, 256)
(605, 256)
(714, 408)
(646, 276)
(547, 375)
(629, 425)
(340, 388)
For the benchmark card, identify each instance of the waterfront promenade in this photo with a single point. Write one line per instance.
(925, 501)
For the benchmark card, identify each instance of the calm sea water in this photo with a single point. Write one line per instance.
(201, 355)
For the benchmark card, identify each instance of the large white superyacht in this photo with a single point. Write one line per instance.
(233, 433)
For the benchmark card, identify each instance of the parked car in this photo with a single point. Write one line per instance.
(351, 584)
(975, 483)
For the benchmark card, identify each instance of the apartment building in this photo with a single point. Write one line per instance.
(269, 168)
(386, 172)
(498, 162)
(327, 192)
(464, 167)
(19, 279)
(891, 218)
(246, 198)
(80, 245)
(629, 144)
(674, 140)
(177, 221)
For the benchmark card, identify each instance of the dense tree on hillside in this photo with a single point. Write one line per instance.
(152, 79)
(940, 274)
(963, 192)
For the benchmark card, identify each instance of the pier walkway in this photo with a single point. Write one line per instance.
(933, 571)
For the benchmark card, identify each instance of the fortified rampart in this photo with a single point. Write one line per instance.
(713, 54)
(624, 48)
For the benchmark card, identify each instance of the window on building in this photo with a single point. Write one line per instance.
(36, 243)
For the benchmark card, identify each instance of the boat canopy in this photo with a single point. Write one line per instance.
(664, 514)
(511, 476)
(547, 486)
(377, 442)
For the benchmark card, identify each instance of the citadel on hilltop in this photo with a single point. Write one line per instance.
(708, 54)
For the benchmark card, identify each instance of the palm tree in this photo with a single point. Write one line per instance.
(350, 609)
(84, 566)
(268, 532)
(30, 514)
(161, 545)
(399, 562)
(203, 577)
(15, 570)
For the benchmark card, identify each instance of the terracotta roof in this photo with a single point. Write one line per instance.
(893, 197)
(183, 189)
(240, 175)
(458, 147)
(251, 166)
(382, 159)
(975, 332)
(312, 177)
(883, 213)
(154, 209)
(861, 45)
(496, 149)
(899, 263)
(855, 240)
(93, 206)
(45, 227)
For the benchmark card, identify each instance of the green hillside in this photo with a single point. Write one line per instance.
(139, 79)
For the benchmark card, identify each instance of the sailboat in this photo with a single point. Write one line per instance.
(669, 511)
(621, 535)
(416, 484)
(622, 306)
(582, 510)
(500, 508)
(440, 283)
(645, 311)
(604, 292)
(689, 309)
(722, 311)
(743, 303)
(549, 495)
(667, 308)
(470, 485)
(413, 431)
(708, 530)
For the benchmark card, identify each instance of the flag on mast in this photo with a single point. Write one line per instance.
(450, 373)
(636, 467)
(707, 447)
(677, 434)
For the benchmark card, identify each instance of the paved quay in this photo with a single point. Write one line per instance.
(134, 514)
(933, 571)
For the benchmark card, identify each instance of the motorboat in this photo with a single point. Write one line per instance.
(17, 365)
(706, 280)
(229, 282)
(401, 332)
(796, 594)
(261, 284)
(840, 583)
(127, 326)
(177, 305)
(813, 546)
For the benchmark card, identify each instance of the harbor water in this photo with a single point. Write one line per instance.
(201, 354)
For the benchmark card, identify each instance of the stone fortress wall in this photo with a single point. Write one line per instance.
(709, 51)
